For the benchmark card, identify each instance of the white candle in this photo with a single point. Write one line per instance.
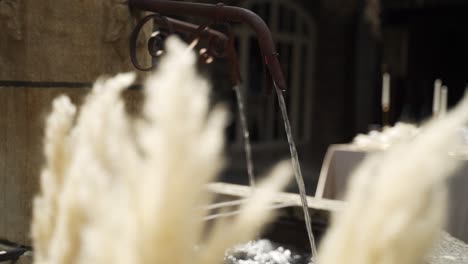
(443, 100)
(436, 99)
(386, 92)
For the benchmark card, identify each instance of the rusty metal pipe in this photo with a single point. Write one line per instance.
(220, 13)
(186, 27)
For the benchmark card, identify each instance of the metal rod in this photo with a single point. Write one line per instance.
(224, 204)
(237, 212)
(220, 13)
(182, 26)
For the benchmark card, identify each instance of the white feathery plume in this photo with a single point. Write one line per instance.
(128, 190)
(56, 146)
(396, 200)
(250, 221)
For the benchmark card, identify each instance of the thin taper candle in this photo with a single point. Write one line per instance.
(386, 99)
(386, 91)
(436, 99)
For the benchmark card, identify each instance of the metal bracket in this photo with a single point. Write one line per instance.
(12, 251)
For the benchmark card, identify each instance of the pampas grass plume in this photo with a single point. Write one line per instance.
(396, 200)
(119, 189)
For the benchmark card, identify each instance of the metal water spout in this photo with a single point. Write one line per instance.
(216, 14)
(218, 41)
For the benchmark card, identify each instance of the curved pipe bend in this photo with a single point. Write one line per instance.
(219, 13)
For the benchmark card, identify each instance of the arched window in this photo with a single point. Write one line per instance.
(293, 30)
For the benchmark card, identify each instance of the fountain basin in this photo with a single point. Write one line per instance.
(289, 230)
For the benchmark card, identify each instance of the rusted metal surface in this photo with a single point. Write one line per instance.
(218, 41)
(182, 26)
(218, 14)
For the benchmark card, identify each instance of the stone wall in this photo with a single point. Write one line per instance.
(48, 41)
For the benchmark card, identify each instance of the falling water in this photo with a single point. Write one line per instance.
(246, 135)
(297, 172)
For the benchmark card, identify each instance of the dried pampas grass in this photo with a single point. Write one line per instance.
(397, 200)
(117, 189)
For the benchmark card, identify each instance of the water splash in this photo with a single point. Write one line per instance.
(264, 252)
(297, 172)
(246, 135)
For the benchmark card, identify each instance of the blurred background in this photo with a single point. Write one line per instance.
(333, 54)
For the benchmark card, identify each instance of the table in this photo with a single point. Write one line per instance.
(341, 160)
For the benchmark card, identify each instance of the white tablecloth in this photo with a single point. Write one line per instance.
(341, 160)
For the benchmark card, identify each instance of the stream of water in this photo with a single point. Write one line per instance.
(297, 172)
(246, 135)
